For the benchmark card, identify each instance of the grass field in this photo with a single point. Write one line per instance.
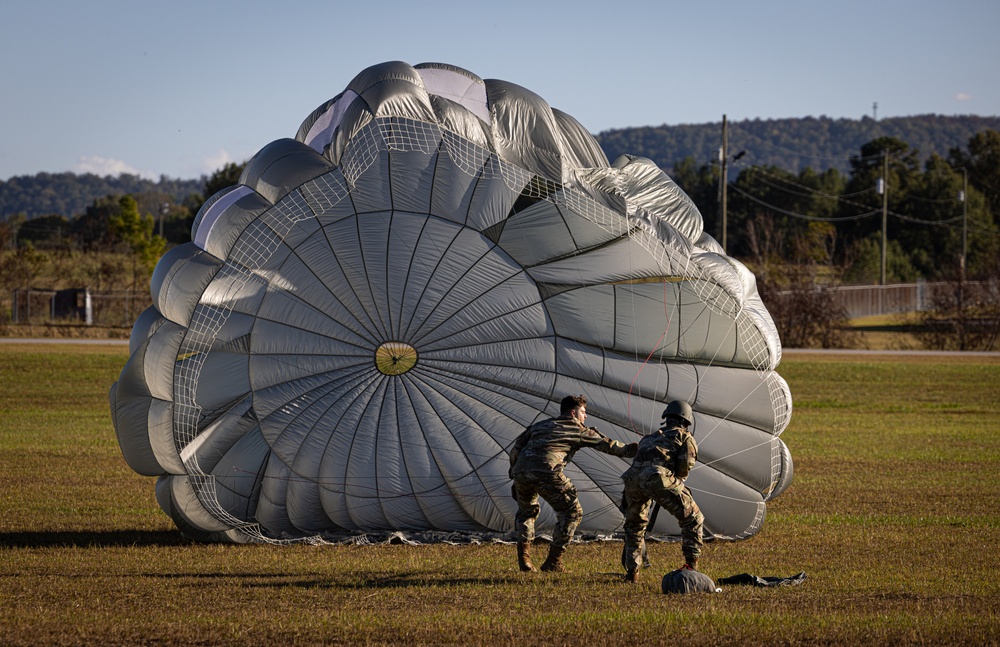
(893, 515)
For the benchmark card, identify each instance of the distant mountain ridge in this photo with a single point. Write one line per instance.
(69, 194)
(790, 144)
(820, 143)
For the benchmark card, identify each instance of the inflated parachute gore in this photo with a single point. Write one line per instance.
(362, 326)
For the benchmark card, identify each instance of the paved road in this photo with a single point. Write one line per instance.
(911, 353)
(53, 340)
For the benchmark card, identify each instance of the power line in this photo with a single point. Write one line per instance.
(801, 215)
(844, 198)
(843, 218)
(811, 192)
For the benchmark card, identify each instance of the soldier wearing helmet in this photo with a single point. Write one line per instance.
(662, 462)
(537, 460)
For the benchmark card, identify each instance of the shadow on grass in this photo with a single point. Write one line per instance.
(60, 539)
(396, 581)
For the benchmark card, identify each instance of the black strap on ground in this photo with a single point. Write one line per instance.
(756, 580)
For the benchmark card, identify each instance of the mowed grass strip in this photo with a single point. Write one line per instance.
(892, 515)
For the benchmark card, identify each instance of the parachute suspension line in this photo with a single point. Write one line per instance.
(775, 394)
(709, 299)
(362, 488)
(657, 345)
(484, 170)
(726, 417)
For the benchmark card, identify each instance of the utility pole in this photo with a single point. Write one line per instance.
(164, 208)
(724, 179)
(884, 190)
(964, 197)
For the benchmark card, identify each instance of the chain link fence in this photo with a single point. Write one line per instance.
(112, 308)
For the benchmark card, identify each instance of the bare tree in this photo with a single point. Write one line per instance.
(804, 308)
(964, 315)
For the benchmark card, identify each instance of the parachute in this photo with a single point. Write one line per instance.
(362, 326)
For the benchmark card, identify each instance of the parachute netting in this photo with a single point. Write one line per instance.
(362, 327)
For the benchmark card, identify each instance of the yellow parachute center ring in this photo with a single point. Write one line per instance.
(395, 358)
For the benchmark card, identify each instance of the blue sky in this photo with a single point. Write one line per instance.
(179, 88)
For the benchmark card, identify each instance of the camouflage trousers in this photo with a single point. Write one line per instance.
(642, 488)
(559, 492)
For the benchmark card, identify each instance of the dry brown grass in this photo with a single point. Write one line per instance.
(892, 514)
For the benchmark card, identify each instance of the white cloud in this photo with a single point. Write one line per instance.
(963, 96)
(213, 163)
(103, 166)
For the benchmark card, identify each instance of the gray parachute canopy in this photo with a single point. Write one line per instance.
(362, 326)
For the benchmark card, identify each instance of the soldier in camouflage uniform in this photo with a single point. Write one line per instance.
(658, 470)
(537, 460)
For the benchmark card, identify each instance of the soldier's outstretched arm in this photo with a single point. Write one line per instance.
(603, 444)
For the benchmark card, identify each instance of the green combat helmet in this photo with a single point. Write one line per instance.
(681, 409)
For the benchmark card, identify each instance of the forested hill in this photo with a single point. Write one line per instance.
(69, 194)
(793, 144)
(790, 144)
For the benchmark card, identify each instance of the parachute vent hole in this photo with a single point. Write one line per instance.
(536, 190)
(395, 358)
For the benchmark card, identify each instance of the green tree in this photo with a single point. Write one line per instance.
(18, 270)
(224, 178)
(864, 263)
(135, 232)
(795, 203)
(9, 226)
(701, 183)
(982, 162)
(890, 164)
(45, 232)
(90, 229)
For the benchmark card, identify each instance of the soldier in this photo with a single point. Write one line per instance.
(662, 462)
(537, 460)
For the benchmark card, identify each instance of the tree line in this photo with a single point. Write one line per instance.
(790, 144)
(774, 215)
(69, 194)
(794, 144)
(170, 205)
(800, 231)
(890, 219)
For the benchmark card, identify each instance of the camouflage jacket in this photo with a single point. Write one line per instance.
(548, 445)
(671, 448)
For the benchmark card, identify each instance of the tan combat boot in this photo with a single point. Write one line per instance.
(524, 557)
(632, 577)
(553, 563)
